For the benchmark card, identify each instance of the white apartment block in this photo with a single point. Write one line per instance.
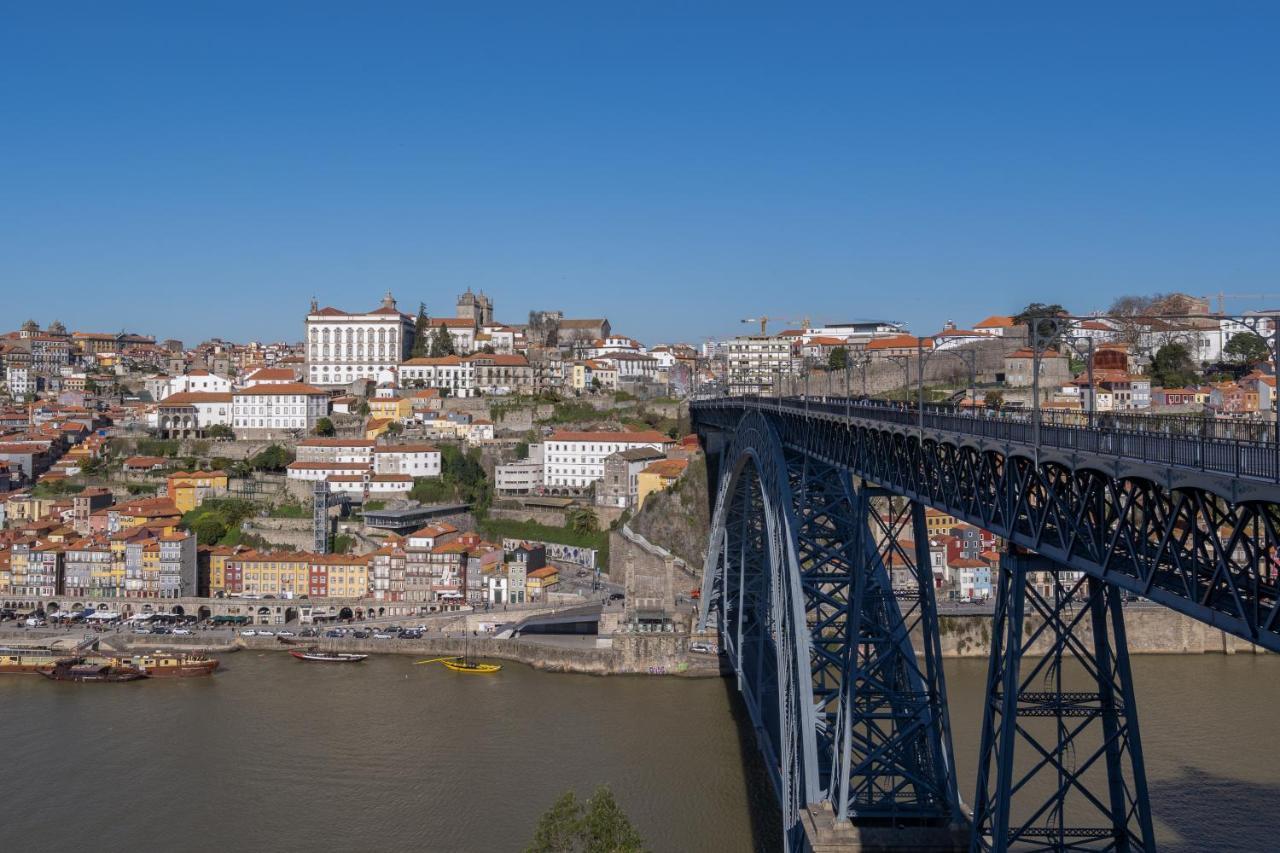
(575, 460)
(343, 347)
(756, 362)
(276, 411)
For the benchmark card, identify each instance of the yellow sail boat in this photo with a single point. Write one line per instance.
(464, 663)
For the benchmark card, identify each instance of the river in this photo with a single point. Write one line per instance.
(272, 754)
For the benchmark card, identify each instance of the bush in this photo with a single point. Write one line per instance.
(499, 528)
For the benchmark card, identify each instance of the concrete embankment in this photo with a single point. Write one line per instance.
(627, 654)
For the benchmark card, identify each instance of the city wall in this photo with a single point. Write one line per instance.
(1150, 630)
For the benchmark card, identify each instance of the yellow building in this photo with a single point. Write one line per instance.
(188, 489)
(539, 581)
(579, 379)
(27, 507)
(391, 408)
(657, 477)
(937, 522)
(375, 427)
(282, 573)
(159, 513)
(346, 575)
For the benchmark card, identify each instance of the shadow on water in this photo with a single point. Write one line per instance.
(1230, 814)
(766, 816)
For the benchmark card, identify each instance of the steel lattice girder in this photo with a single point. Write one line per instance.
(1093, 730)
(869, 717)
(1189, 549)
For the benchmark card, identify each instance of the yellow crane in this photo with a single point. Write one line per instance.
(764, 322)
(1223, 297)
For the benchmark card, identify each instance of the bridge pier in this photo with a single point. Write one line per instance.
(825, 833)
(1063, 728)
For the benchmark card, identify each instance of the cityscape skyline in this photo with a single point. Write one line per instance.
(660, 165)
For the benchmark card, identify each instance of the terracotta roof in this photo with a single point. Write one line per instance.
(995, 321)
(336, 442)
(327, 466)
(187, 398)
(406, 448)
(668, 469)
(282, 389)
(897, 342)
(643, 437)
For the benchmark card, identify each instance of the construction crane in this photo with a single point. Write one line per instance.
(764, 322)
(1223, 297)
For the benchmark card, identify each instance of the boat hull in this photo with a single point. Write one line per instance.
(323, 657)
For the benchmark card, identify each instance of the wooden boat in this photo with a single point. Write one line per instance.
(170, 665)
(80, 670)
(20, 661)
(466, 666)
(314, 654)
(465, 663)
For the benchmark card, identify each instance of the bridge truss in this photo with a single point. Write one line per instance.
(819, 580)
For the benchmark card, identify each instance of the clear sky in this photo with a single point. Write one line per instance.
(193, 169)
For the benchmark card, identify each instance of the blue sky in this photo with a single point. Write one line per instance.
(205, 168)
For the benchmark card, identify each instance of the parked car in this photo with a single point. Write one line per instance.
(616, 596)
(142, 631)
(265, 633)
(383, 635)
(308, 632)
(248, 632)
(360, 635)
(284, 634)
(702, 648)
(336, 632)
(183, 631)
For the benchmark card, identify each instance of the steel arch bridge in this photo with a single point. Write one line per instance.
(818, 518)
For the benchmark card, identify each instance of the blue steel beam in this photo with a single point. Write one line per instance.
(1177, 537)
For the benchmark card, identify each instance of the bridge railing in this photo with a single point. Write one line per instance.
(1158, 440)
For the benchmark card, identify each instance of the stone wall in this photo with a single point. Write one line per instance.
(655, 654)
(542, 515)
(1150, 630)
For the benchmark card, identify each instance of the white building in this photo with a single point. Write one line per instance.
(416, 460)
(633, 366)
(450, 373)
(189, 413)
(385, 484)
(200, 381)
(19, 381)
(518, 478)
(343, 347)
(756, 362)
(276, 411)
(336, 450)
(575, 460)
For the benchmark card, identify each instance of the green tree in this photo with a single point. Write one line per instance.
(421, 333)
(1043, 314)
(1172, 367)
(324, 428)
(1246, 348)
(442, 343)
(602, 827)
(363, 409)
(220, 431)
(993, 400)
(582, 520)
(839, 359)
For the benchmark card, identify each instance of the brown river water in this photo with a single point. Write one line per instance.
(273, 754)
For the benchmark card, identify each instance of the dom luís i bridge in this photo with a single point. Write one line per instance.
(818, 504)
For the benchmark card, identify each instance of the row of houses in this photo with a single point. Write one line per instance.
(435, 568)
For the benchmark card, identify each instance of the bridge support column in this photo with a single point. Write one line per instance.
(1065, 728)
(893, 781)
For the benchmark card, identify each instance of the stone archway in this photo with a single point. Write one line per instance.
(345, 613)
